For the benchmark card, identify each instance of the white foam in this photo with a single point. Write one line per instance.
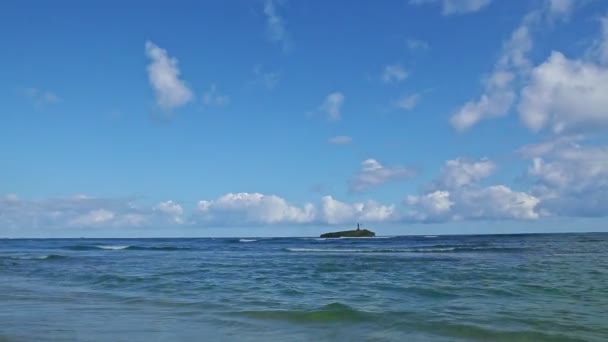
(383, 250)
(435, 249)
(113, 247)
(248, 240)
(430, 236)
(32, 257)
(325, 250)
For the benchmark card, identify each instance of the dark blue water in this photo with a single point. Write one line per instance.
(446, 288)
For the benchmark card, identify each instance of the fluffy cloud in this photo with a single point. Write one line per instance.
(451, 7)
(341, 140)
(335, 212)
(172, 210)
(570, 179)
(373, 174)
(566, 95)
(256, 208)
(253, 208)
(434, 206)
(457, 195)
(496, 202)
(275, 25)
(499, 95)
(332, 106)
(212, 97)
(76, 211)
(394, 74)
(93, 217)
(500, 91)
(163, 73)
(560, 8)
(408, 102)
(460, 172)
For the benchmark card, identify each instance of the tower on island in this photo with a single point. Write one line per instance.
(354, 233)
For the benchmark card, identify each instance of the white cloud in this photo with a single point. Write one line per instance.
(93, 217)
(41, 97)
(499, 95)
(451, 7)
(513, 64)
(76, 212)
(212, 97)
(373, 174)
(566, 95)
(394, 73)
(560, 8)
(335, 212)
(416, 44)
(570, 179)
(332, 106)
(163, 73)
(434, 206)
(253, 208)
(341, 140)
(408, 102)
(460, 172)
(497, 202)
(543, 148)
(256, 208)
(457, 195)
(275, 25)
(172, 210)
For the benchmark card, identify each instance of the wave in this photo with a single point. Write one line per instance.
(333, 312)
(38, 257)
(434, 249)
(430, 236)
(248, 240)
(125, 247)
(113, 248)
(324, 250)
(159, 248)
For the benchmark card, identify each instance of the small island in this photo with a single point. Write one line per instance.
(350, 233)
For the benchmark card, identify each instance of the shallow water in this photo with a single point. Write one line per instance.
(549, 287)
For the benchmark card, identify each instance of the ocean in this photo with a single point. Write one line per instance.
(536, 287)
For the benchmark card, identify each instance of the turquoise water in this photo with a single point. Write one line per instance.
(550, 287)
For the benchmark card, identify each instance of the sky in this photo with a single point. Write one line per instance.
(292, 118)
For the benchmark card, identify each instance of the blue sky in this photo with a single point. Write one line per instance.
(252, 118)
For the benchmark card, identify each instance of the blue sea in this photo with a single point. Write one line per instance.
(538, 287)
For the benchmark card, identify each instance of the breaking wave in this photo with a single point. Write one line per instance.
(430, 249)
(126, 247)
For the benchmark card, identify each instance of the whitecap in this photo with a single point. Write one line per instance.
(113, 247)
(434, 249)
(248, 240)
(324, 250)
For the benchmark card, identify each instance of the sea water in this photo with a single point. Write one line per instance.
(541, 287)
